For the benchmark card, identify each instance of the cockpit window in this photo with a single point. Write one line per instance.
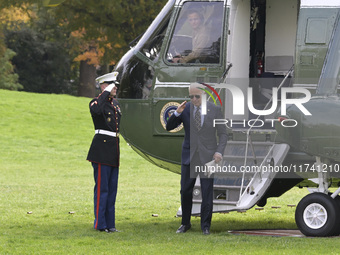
(197, 34)
(153, 46)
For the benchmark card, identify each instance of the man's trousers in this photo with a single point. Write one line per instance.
(105, 191)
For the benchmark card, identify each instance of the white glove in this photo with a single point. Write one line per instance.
(110, 87)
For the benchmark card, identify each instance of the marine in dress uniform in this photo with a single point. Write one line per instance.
(104, 153)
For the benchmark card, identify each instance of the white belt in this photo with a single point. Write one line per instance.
(105, 132)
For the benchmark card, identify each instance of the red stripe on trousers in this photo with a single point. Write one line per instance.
(98, 192)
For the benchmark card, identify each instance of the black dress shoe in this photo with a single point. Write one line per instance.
(183, 228)
(104, 230)
(112, 230)
(206, 231)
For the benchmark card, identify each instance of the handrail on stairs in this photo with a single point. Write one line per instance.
(249, 141)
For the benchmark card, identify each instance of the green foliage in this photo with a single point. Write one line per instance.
(112, 24)
(42, 62)
(46, 51)
(119, 21)
(8, 79)
(44, 176)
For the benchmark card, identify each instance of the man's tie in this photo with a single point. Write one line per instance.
(198, 118)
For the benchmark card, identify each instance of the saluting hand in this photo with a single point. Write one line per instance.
(181, 107)
(112, 89)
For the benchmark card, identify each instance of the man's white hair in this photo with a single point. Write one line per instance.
(196, 85)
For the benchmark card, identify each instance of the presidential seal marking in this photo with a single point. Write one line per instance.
(167, 110)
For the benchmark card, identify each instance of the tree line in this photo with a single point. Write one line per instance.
(61, 46)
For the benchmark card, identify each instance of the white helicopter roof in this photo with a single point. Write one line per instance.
(319, 3)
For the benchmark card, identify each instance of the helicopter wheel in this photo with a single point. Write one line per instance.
(337, 200)
(317, 215)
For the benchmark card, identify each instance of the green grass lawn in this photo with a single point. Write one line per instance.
(44, 176)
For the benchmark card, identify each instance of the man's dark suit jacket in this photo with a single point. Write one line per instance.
(204, 140)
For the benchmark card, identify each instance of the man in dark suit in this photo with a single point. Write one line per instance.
(199, 147)
(104, 153)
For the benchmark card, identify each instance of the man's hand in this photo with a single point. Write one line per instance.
(181, 107)
(217, 157)
(177, 59)
(110, 87)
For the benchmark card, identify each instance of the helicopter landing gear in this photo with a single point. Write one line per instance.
(318, 214)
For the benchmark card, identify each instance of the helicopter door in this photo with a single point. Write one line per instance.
(261, 50)
(272, 48)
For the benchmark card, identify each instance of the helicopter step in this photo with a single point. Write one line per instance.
(244, 176)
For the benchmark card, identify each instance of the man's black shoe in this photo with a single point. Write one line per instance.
(183, 228)
(104, 230)
(112, 230)
(206, 231)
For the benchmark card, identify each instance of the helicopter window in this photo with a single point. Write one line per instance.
(153, 46)
(197, 34)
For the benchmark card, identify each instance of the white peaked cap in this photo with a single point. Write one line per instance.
(107, 78)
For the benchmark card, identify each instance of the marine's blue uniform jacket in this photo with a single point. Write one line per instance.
(106, 115)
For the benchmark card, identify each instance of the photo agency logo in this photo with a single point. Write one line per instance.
(204, 97)
(240, 101)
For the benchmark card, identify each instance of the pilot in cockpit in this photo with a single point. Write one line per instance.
(200, 38)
